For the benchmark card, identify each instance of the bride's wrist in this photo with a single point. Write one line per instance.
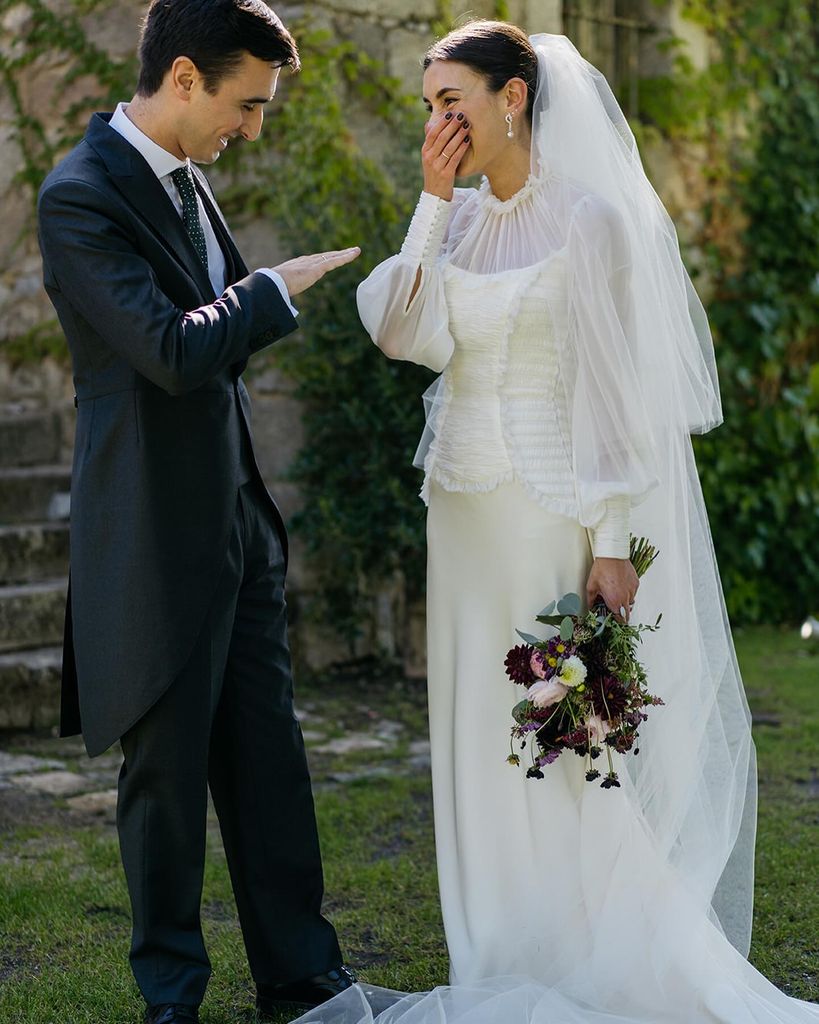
(425, 234)
(439, 191)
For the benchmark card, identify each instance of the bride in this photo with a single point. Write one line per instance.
(576, 361)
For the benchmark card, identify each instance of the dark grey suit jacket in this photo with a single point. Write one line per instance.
(162, 427)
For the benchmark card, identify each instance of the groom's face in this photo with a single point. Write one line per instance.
(209, 120)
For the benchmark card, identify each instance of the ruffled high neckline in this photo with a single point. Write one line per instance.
(491, 201)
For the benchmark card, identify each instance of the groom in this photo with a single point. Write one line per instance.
(176, 638)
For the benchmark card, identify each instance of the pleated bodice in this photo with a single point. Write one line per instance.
(503, 412)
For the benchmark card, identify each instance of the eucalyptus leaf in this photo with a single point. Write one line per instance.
(519, 712)
(566, 629)
(550, 607)
(549, 620)
(569, 604)
(528, 638)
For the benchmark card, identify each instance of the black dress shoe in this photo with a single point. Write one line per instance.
(172, 1013)
(303, 995)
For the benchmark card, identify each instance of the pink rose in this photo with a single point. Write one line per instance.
(598, 729)
(536, 664)
(545, 692)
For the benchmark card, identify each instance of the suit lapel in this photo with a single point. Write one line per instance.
(145, 192)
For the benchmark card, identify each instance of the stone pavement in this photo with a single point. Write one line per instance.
(43, 777)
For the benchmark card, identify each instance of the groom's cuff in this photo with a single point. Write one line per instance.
(427, 228)
(278, 280)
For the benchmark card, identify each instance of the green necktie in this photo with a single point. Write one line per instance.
(182, 177)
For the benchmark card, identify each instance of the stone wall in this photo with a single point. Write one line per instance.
(392, 31)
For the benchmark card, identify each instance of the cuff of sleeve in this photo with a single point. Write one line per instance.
(610, 538)
(278, 280)
(426, 231)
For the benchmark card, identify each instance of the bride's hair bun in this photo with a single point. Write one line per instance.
(495, 49)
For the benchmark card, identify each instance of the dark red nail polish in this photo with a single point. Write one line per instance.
(460, 117)
(466, 138)
(447, 116)
(465, 125)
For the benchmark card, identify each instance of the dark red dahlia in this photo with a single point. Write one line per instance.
(608, 696)
(576, 740)
(518, 664)
(621, 742)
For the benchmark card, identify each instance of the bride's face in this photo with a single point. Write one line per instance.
(451, 87)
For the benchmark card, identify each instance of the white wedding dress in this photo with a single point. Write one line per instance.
(559, 905)
(576, 362)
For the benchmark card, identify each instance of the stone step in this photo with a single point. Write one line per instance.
(30, 438)
(33, 552)
(30, 688)
(34, 494)
(32, 614)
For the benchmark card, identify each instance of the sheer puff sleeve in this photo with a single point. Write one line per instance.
(614, 449)
(415, 329)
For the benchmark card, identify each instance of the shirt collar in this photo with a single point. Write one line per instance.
(158, 159)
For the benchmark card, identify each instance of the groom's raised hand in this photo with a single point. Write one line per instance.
(302, 272)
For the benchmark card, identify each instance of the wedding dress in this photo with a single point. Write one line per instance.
(576, 360)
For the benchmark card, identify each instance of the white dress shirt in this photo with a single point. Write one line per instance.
(163, 163)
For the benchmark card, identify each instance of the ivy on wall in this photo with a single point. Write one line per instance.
(761, 471)
(755, 110)
(58, 37)
(43, 36)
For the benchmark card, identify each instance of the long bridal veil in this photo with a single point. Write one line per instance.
(664, 870)
(646, 379)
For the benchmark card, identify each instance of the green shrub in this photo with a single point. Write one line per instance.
(760, 470)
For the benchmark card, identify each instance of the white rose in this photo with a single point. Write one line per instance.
(572, 672)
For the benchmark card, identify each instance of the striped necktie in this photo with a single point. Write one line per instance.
(182, 177)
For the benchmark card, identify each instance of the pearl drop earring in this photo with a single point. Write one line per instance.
(509, 133)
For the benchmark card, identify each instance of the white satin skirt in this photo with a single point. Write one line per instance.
(558, 907)
(494, 560)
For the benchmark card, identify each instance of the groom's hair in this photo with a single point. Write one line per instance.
(215, 35)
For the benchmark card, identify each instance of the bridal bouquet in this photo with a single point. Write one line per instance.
(585, 689)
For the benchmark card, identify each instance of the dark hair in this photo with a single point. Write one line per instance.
(496, 50)
(215, 34)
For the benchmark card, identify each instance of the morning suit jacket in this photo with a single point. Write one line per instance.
(162, 440)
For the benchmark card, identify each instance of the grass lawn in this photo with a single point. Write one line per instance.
(64, 927)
